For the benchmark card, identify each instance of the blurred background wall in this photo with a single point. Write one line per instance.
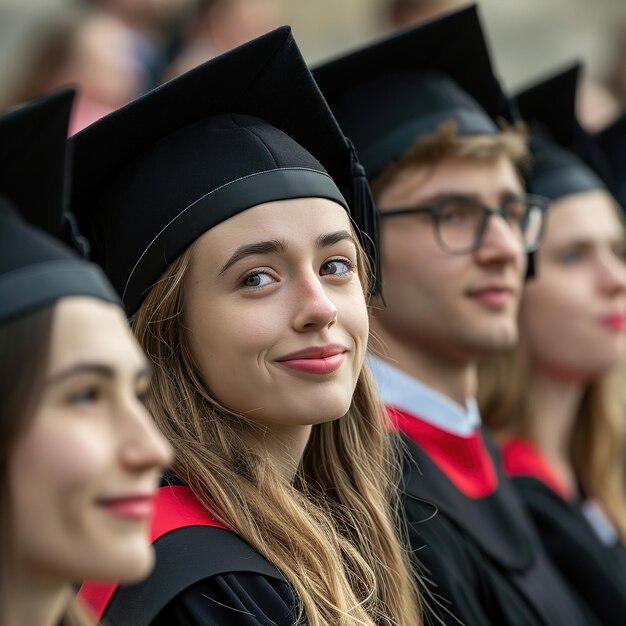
(118, 48)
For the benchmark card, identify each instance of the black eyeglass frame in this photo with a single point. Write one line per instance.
(531, 200)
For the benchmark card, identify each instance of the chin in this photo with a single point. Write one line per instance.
(322, 415)
(132, 570)
(492, 339)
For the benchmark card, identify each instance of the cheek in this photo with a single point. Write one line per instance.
(228, 341)
(404, 252)
(56, 471)
(58, 458)
(62, 454)
(353, 315)
(556, 320)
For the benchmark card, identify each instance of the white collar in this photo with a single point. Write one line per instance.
(409, 394)
(600, 522)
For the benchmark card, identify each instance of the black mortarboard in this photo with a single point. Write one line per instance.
(389, 93)
(612, 141)
(563, 153)
(35, 268)
(248, 127)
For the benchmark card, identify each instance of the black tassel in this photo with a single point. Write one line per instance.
(530, 267)
(365, 217)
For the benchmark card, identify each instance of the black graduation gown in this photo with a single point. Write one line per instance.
(204, 576)
(484, 562)
(596, 570)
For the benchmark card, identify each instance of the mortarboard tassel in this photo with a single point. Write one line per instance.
(365, 216)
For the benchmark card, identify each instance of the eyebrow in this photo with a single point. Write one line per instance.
(429, 201)
(99, 369)
(260, 247)
(330, 239)
(273, 246)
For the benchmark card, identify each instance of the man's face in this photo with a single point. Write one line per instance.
(461, 306)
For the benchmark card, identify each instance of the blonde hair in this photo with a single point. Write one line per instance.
(598, 437)
(512, 142)
(345, 560)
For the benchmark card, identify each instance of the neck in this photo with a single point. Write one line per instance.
(554, 407)
(454, 379)
(39, 601)
(284, 445)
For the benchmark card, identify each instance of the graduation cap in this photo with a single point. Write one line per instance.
(247, 127)
(566, 159)
(389, 93)
(36, 269)
(612, 142)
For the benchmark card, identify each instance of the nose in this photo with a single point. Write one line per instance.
(501, 245)
(612, 275)
(143, 447)
(313, 307)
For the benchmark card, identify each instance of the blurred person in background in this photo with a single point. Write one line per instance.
(402, 13)
(154, 25)
(612, 143)
(553, 402)
(618, 74)
(88, 49)
(455, 224)
(80, 457)
(215, 26)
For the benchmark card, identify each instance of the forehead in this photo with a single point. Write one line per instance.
(87, 329)
(589, 216)
(298, 222)
(450, 175)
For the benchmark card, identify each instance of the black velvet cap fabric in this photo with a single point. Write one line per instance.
(562, 151)
(612, 142)
(36, 269)
(389, 93)
(248, 127)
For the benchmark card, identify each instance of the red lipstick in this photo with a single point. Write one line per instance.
(615, 321)
(318, 360)
(137, 508)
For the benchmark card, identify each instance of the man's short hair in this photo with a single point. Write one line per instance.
(511, 142)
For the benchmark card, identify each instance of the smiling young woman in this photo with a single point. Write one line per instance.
(80, 456)
(246, 283)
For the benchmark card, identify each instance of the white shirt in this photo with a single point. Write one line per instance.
(409, 394)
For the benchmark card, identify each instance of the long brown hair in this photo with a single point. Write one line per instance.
(24, 345)
(598, 437)
(334, 531)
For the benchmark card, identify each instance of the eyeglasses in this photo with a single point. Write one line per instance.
(460, 222)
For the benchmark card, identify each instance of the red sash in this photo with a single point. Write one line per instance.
(175, 507)
(464, 460)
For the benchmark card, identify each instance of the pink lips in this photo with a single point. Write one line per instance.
(615, 321)
(493, 297)
(132, 507)
(322, 360)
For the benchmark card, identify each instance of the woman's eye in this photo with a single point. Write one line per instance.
(88, 395)
(571, 257)
(258, 279)
(337, 267)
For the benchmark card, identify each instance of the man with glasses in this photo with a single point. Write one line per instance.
(455, 230)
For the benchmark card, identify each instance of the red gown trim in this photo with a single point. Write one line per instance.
(175, 507)
(522, 459)
(464, 460)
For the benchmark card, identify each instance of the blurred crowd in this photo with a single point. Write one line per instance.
(116, 50)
